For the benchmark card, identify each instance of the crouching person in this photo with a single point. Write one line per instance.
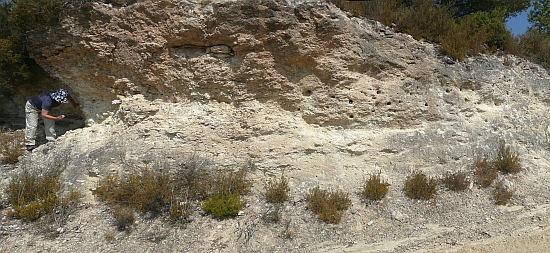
(41, 105)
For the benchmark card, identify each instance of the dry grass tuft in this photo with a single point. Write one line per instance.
(502, 194)
(507, 161)
(276, 191)
(486, 172)
(457, 181)
(174, 193)
(419, 186)
(374, 188)
(11, 146)
(33, 194)
(328, 205)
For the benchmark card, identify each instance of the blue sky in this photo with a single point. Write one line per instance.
(518, 24)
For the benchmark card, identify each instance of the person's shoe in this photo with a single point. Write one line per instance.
(30, 147)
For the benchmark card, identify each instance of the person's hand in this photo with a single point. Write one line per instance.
(60, 117)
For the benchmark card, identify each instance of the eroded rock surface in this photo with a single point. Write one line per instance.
(299, 87)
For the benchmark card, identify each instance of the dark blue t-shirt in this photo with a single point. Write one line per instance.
(44, 101)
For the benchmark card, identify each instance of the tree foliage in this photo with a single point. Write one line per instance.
(539, 16)
(18, 17)
(467, 7)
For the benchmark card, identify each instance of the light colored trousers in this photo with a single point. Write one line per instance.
(32, 115)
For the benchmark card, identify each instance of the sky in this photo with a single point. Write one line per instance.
(518, 24)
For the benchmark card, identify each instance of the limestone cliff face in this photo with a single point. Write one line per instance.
(306, 57)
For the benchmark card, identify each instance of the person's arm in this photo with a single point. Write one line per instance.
(45, 115)
(75, 104)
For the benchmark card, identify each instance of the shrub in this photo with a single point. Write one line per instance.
(230, 181)
(277, 191)
(375, 188)
(535, 46)
(328, 205)
(419, 186)
(223, 205)
(385, 11)
(506, 160)
(486, 172)
(457, 181)
(163, 192)
(149, 191)
(502, 194)
(426, 20)
(11, 146)
(124, 217)
(35, 193)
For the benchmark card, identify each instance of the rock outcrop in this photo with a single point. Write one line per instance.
(302, 87)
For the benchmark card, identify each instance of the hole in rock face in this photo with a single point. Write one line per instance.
(350, 101)
(298, 109)
(425, 104)
(378, 92)
(388, 103)
(307, 93)
(333, 96)
(351, 116)
(448, 90)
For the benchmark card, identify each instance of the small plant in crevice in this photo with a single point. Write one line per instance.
(375, 188)
(328, 205)
(502, 194)
(485, 172)
(420, 186)
(457, 181)
(507, 160)
(276, 191)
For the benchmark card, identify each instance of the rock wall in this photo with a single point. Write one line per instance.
(306, 57)
(298, 87)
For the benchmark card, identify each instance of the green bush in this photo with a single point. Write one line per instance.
(328, 205)
(507, 161)
(223, 205)
(277, 191)
(457, 181)
(419, 186)
(486, 172)
(374, 188)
